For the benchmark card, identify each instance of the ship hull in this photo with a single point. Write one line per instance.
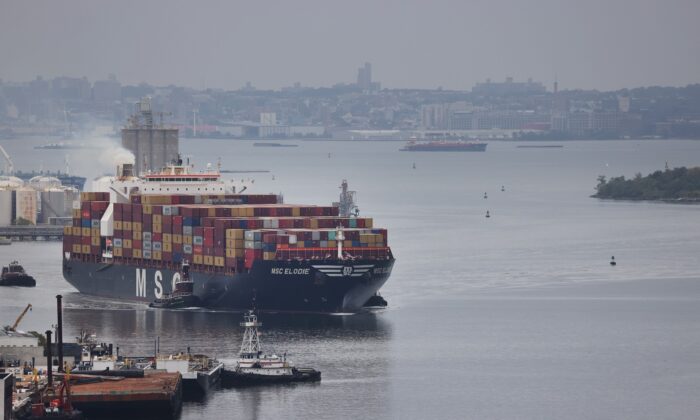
(286, 286)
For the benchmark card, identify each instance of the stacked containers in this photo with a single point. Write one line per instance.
(219, 232)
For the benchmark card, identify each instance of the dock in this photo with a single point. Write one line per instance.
(157, 395)
(32, 232)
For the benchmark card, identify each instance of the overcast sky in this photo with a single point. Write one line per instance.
(601, 44)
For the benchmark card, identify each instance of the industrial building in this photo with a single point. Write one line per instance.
(153, 145)
(40, 200)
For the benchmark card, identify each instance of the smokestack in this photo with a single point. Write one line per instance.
(49, 357)
(59, 331)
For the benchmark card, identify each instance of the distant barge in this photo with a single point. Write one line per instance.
(444, 146)
(274, 145)
(540, 146)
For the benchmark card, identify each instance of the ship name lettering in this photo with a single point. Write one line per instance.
(176, 278)
(291, 271)
(159, 285)
(141, 282)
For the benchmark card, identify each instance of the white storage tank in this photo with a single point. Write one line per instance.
(10, 182)
(41, 183)
(5, 207)
(53, 204)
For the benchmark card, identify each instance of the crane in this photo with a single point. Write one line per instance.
(9, 166)
(19, 318)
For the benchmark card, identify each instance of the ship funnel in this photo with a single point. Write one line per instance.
(125, 170)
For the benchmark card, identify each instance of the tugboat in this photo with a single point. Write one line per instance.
(14, 275)
(376, 301)
(254, 367)
(183, 295)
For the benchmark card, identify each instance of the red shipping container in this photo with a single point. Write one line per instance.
(126, 252)
(156, 237)
(177, 220)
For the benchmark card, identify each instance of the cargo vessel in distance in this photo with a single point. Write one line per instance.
(444, 146)
(129, 244)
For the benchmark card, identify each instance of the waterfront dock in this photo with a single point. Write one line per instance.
(32, 232)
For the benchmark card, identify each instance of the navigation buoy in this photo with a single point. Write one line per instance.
(487, 214)
(273, 177)
(329, 155)
(503, 188)
(414, 165)
(612, 261)
(486, 196)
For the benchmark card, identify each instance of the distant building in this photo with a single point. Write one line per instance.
(153, 146)
(106, 91)
(364, 77)
(434, 116)
(508, 87)
(268, 118)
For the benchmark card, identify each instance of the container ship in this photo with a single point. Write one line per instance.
(444, 146)
(244, 250)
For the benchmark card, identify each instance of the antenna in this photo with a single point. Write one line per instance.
(194, 123)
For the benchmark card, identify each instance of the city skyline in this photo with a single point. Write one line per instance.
(604, 45)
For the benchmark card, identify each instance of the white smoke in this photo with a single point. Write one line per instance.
(113, 155)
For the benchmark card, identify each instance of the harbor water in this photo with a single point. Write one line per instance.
(518, 315)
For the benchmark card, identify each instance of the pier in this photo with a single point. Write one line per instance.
(32, 232)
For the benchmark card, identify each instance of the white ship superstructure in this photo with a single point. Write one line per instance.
(175, 178)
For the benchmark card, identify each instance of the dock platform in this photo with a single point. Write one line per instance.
(157, 395)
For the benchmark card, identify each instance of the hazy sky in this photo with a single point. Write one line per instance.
(603, 44)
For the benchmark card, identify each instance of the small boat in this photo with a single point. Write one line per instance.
(5, 240)
(254, 367)
(376, 301)
(14, 275)
(612, 261)
(183, 296)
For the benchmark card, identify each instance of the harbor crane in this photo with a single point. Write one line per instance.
(9, 166)
(19, 318)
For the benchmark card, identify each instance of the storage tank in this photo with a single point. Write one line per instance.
(53, 204)
(10, 182)
(26, 204)
(41, 183)
(5, 207)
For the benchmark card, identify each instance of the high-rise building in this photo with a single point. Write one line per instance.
(364, 77)
(153, 146)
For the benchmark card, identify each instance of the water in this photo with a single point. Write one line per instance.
(514, 316)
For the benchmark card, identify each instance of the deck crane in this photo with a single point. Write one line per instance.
(19, 318)
(9, 166)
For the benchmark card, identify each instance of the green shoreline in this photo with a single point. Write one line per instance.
(678, 185)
